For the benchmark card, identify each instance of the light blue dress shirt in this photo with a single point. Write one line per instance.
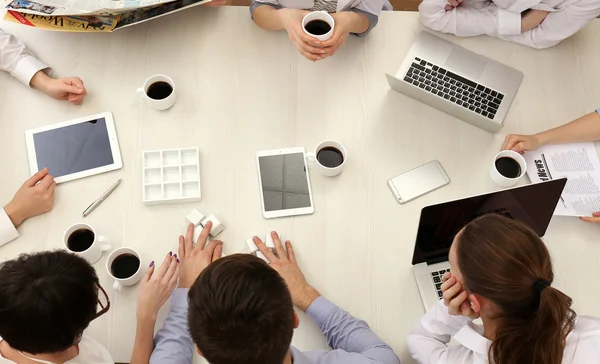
(598, 111)
(352, 339)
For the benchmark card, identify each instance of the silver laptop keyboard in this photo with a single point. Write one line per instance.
(437, 281)
(454, 88)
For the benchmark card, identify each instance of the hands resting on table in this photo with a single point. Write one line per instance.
(67, 88)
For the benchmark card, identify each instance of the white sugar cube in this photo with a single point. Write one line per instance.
(269, 241)
(262, 256)
(195, 217)
(251, 246)
(217, 227)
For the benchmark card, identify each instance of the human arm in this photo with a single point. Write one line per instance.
(583, 129)
(156, 287)
(35, 197)
(352, 339)
(173, 343)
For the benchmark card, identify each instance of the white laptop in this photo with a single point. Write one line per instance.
(457, 81)
(532, 204)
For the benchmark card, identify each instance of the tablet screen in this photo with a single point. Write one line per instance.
(74, 148)
(284, 182)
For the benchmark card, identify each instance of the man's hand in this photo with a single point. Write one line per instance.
(532, 19)
(521, 143)
(455, 298)
(303, 295)
(69, 88)
(32, 198)
(453, 4)
(195, 258)
(308, 46)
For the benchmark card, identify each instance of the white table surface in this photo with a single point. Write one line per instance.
(242, 89)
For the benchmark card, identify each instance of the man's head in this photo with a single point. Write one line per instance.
(47, 299)
(241, 311)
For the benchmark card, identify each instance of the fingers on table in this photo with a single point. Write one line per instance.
(46, 182)
(263, 249)
(164, 266)
(149, 272)
(218, 253)
(211, 246)
(290, 252)
(203, 238)
(278, 246)
(36, 177)
(189, 239)
(172, 269)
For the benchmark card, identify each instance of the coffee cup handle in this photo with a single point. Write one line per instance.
(117, 286)
(103, 243)
(140, 91)
(311, 157)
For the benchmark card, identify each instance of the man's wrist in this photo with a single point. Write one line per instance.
(40, 81)
(306, 297)
(14, 215)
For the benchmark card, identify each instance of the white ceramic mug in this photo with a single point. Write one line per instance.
(327, 171)
(162, 104)
(319, 15)
(130, 281)
(94, 252)
(500, 179)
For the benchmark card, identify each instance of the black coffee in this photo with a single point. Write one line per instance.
(508, 167)
(317, 27)
(80, 240)
(124, 266)
(159, 90)
(330, 157)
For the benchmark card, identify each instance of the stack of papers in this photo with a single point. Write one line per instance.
(577, 162)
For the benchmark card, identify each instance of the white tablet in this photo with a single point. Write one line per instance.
(284, 183)
(75, 149)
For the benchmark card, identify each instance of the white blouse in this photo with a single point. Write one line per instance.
(428, 340)
(90, 352)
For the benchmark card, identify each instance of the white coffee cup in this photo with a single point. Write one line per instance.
(93, 253)
(131, 280)
(325, 170)
(158, 104)
(502, 180)
(319, 15)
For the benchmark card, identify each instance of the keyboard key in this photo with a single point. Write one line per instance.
(418, 66)
(484, 102)
(465, 98)
(477, 92)
(421, 85)
(494, 93)
(484, 113)
(440, 294)
(453, 99)
(500, 96)
(442, 71)
(428, 77)
(453, 88)
(495, 106)
(434, 91)
(437, 279)
(435, 68)
(478, 110)
(471, 89)
(491, 115)
(480, 88)
(440, 87)
(407, 79)
(427, 70)
(438, 286)
(472, 108)
(497, 101)
(427, 82)
(488, 91)
(435, 273)
(442, 272)
(421, 79)
(452, 82)
(447, 97)
(461, 79)
(477, 104)
(459, 102)
(491, 110)
(416, 82)
(418, 59)
(428, 88)
(423, 63)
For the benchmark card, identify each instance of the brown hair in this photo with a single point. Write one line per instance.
(241, 311)
(501, 260)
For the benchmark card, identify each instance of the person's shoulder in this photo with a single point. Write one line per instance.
(587, 323)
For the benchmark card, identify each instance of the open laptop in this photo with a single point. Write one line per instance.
(532, 204)
(457, 81)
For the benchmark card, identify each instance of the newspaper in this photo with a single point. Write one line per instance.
(97, 23)
(580, 165)
(83, 7)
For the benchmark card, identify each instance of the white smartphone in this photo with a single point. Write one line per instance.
(418, 181)
(284, 183)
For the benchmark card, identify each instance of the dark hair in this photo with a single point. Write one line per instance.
(501, 260)
(47, 299)
(241, 311)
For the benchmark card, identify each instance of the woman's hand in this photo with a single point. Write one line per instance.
(156, 287)
(455, 298)
(521, 143)
(308, 46)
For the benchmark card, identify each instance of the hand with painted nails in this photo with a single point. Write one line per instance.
(303, 294)
(156, 287)
(456, 298)
(195, 256)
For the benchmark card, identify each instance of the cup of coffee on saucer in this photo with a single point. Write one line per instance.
(124, 265)
(159, 92)
(81, 239)
(508, 168)
(319, 24)
(329, 158)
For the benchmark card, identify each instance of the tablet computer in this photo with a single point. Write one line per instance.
(76, 148)
(284, 183)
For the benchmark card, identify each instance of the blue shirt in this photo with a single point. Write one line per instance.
(352, 339)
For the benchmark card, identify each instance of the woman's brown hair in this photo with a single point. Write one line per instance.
(505, 262)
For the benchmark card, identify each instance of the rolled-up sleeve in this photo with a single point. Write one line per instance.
(373, 20)
(7, 230)
(19, 61)
(255, 4)
(173, 343)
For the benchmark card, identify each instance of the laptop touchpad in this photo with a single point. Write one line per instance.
(466, 62)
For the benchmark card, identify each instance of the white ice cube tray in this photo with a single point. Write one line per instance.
(171, 176)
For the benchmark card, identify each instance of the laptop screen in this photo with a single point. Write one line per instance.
(533, 205)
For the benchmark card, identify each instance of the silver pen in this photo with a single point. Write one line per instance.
(97, 203)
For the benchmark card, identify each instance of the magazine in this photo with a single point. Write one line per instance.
(82, 7)
(98, 23)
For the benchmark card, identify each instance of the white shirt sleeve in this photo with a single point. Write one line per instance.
(428, 339)
(19, 61)
(7, 231)
(467, 20)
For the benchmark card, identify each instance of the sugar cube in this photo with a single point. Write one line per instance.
(269, 241)
(217, 227)
(262, 256)
(251, 246)
(195, 217)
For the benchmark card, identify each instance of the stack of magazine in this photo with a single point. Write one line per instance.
(91, 15)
